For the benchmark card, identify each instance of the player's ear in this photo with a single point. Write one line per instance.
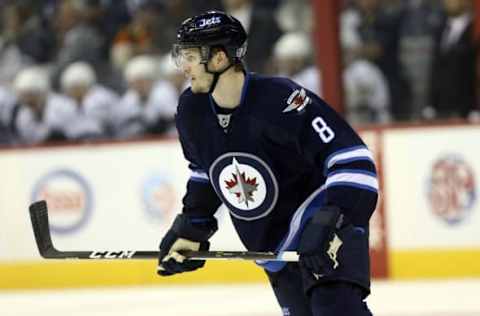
(220, 58)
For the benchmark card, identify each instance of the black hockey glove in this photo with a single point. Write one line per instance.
(183, 235)
(319, 242)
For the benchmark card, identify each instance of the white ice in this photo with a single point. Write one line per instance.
(426, 298)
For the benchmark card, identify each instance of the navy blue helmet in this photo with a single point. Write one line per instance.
(212, 29)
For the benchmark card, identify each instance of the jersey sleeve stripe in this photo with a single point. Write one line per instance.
(355, 179)
(198, 176)
(344, 150)
(358, 171)
(348, 155)
(355, 185)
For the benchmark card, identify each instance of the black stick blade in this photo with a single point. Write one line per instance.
(41, 229)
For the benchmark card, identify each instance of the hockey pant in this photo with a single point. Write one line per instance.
(335, 298)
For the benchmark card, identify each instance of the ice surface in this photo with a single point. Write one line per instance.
(426, 298)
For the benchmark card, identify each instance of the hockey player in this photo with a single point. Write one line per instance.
(94, 101)
(293, 174)
(40, 115)
(148, 106)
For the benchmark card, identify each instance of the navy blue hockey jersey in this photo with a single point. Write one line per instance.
(284, 153)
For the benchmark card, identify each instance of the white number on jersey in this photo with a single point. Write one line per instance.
(324, 131)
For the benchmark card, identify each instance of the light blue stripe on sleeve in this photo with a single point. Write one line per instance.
(199, 176)
(348, 155)
(299, 218)
(355, 179)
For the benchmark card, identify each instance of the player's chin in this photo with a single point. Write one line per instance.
(198, 88)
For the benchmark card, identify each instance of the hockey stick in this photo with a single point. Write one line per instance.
(41, 230)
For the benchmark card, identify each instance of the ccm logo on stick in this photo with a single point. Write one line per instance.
(112, 254)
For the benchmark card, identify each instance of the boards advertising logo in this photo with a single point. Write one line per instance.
(451, 189)
(159, 196)
(69, 198)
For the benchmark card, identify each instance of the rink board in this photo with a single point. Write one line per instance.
(125, 195)
(75, 274)
(431, 183)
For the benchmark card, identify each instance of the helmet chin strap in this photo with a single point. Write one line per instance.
(216, 75)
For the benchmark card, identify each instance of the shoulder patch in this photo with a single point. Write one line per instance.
(297, 101)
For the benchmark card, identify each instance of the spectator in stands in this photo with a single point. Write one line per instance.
(262, 28)
(111, 16)
(78, 38)
(7, 103)
(293, 59)
(23, 40)
(149, 105)
(295, 16)
(172, 14)
(94, 102)
(28, 29)
(367, 99)
(366, 92)
(453, 80)
(205, 5)
(421, 19)
(140, 36)
(40, 115)
(376, 31)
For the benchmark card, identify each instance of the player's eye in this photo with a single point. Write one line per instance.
(184, 56)
(190, 58)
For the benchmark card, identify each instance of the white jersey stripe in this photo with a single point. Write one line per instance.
(198, 176)
(353, 178)
(353, 154)
(296, 221)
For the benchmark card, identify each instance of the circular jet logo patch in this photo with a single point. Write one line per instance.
(246, 185)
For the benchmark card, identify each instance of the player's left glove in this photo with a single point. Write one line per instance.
(319, 242)
(184, 235)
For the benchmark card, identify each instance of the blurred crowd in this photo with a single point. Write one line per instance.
(85, 70)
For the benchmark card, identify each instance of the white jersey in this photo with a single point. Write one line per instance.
(134, 117)
(349, 23)
(367, 95)
(311, 79)
(7, 104)
(58, 114)
(93, 118)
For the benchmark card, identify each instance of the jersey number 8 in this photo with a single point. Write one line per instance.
(324, 131)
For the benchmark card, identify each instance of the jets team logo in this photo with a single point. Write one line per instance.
(246, 185)
(297, 101)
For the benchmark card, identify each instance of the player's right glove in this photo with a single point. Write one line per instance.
(319, 242)
(184, 235)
